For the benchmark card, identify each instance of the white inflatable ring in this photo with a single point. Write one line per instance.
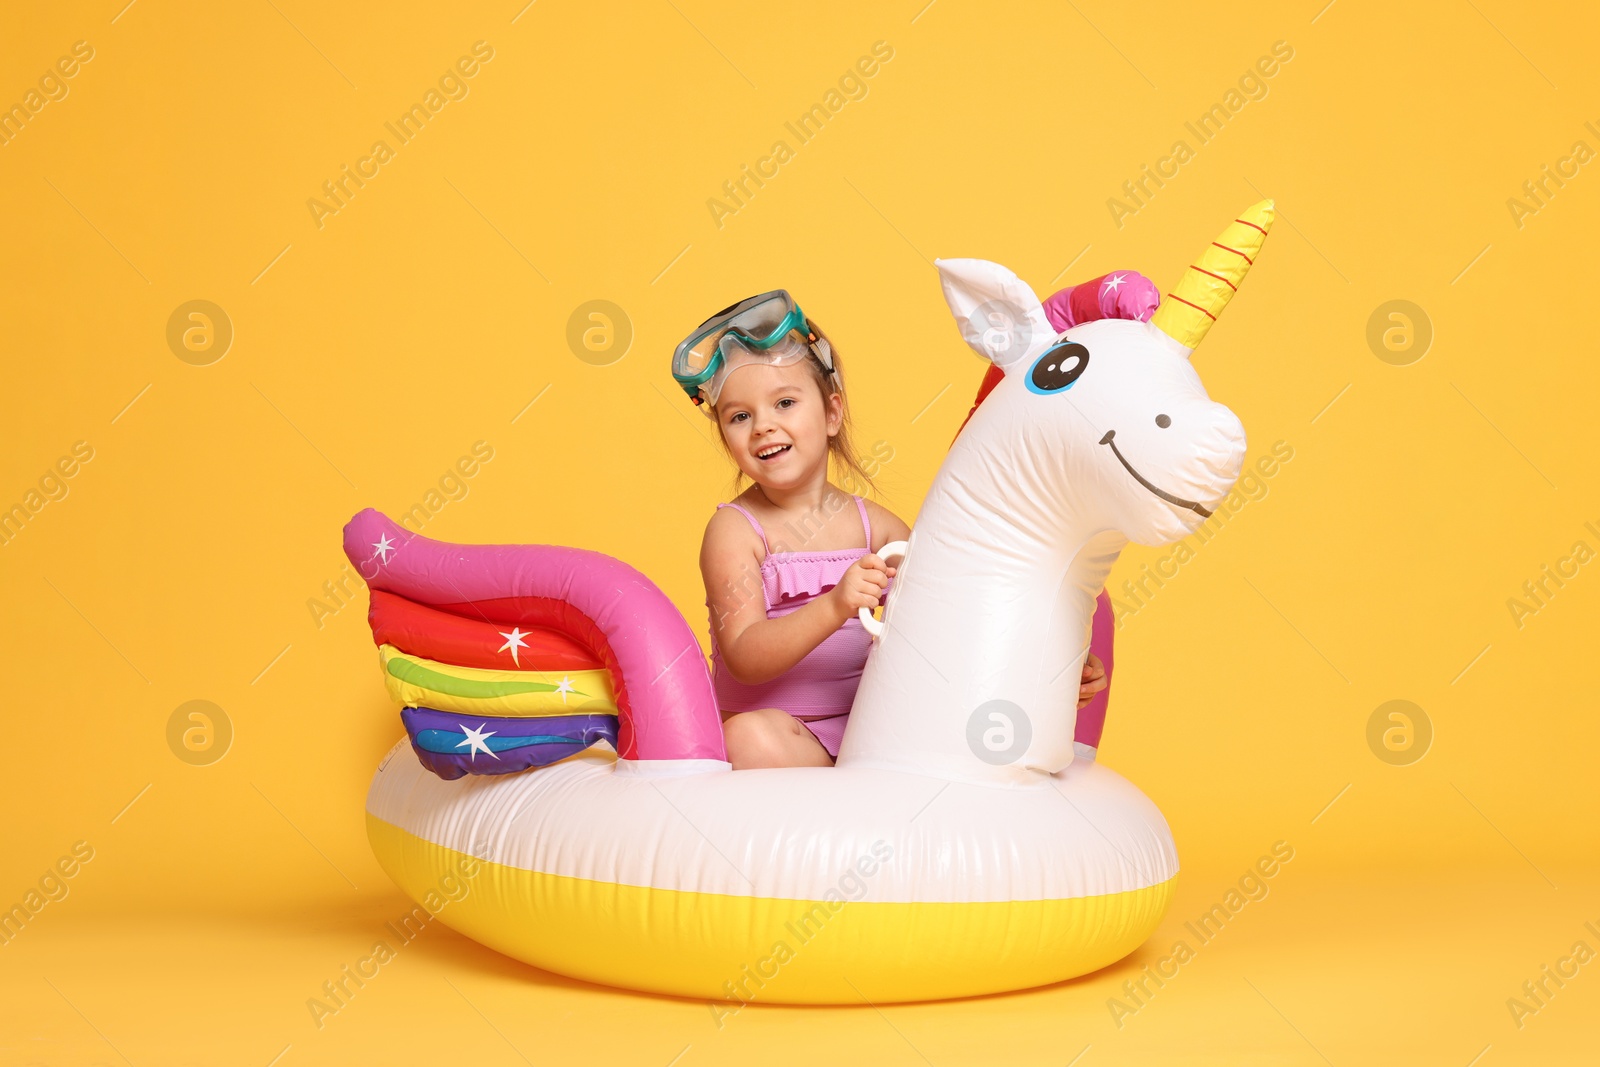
(762, 885)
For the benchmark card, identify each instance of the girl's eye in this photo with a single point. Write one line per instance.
(787, 400)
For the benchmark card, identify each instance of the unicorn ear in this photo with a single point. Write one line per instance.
(999, 315)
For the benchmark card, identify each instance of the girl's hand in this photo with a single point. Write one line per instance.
(1094, 680)
(861, 586)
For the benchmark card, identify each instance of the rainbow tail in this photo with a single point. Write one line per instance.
(506, 657)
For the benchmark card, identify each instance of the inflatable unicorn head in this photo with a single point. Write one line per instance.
(1096, 436)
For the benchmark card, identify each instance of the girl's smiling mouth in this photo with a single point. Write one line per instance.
(772, 452)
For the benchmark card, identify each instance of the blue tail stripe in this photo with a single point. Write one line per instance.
(446, 742)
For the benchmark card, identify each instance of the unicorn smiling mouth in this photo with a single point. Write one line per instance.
(1162, 493)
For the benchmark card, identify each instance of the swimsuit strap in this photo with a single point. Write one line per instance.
(861, 505)
(763, 534)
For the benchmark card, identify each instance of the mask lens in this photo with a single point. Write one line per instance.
(758, 323)
(697, 358)
(788, 348)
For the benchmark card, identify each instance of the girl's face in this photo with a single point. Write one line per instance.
(778, 413)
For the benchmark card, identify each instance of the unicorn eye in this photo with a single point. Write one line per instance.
(1163, 421)
(1059, 368)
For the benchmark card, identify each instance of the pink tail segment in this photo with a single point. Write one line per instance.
(667, 709)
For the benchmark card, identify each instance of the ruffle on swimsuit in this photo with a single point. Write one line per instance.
(806, 574)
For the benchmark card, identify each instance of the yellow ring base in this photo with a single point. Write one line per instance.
(727, 949)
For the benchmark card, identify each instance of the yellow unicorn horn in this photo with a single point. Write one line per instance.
(1210, 282)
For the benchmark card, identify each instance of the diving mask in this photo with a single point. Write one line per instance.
(769, 329)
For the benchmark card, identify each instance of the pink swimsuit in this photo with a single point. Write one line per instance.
(821, 687)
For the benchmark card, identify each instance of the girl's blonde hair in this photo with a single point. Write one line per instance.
(840, 445)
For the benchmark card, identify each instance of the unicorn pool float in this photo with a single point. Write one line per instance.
(960, 845)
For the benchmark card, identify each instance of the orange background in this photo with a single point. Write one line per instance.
(432, 311)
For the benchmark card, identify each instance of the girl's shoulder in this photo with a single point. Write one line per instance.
(731, 536)
(728, 523)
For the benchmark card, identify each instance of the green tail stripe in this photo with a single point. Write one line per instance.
(418, 675)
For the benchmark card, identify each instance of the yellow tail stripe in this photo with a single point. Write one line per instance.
(417, 682)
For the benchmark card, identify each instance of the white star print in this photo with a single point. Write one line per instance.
(514, 641)
(384, 546)
(564, 688)
(476, 739)
(1114, 281)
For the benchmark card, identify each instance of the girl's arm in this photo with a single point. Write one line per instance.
(886, 526)
(756, 649)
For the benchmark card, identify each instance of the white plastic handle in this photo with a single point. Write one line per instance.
(893, 548)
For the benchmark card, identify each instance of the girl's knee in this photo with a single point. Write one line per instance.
(748, 737)
(761, 738)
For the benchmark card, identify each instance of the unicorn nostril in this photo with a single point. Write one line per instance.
(1163, 421)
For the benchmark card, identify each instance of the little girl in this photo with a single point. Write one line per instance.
(787, 644)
